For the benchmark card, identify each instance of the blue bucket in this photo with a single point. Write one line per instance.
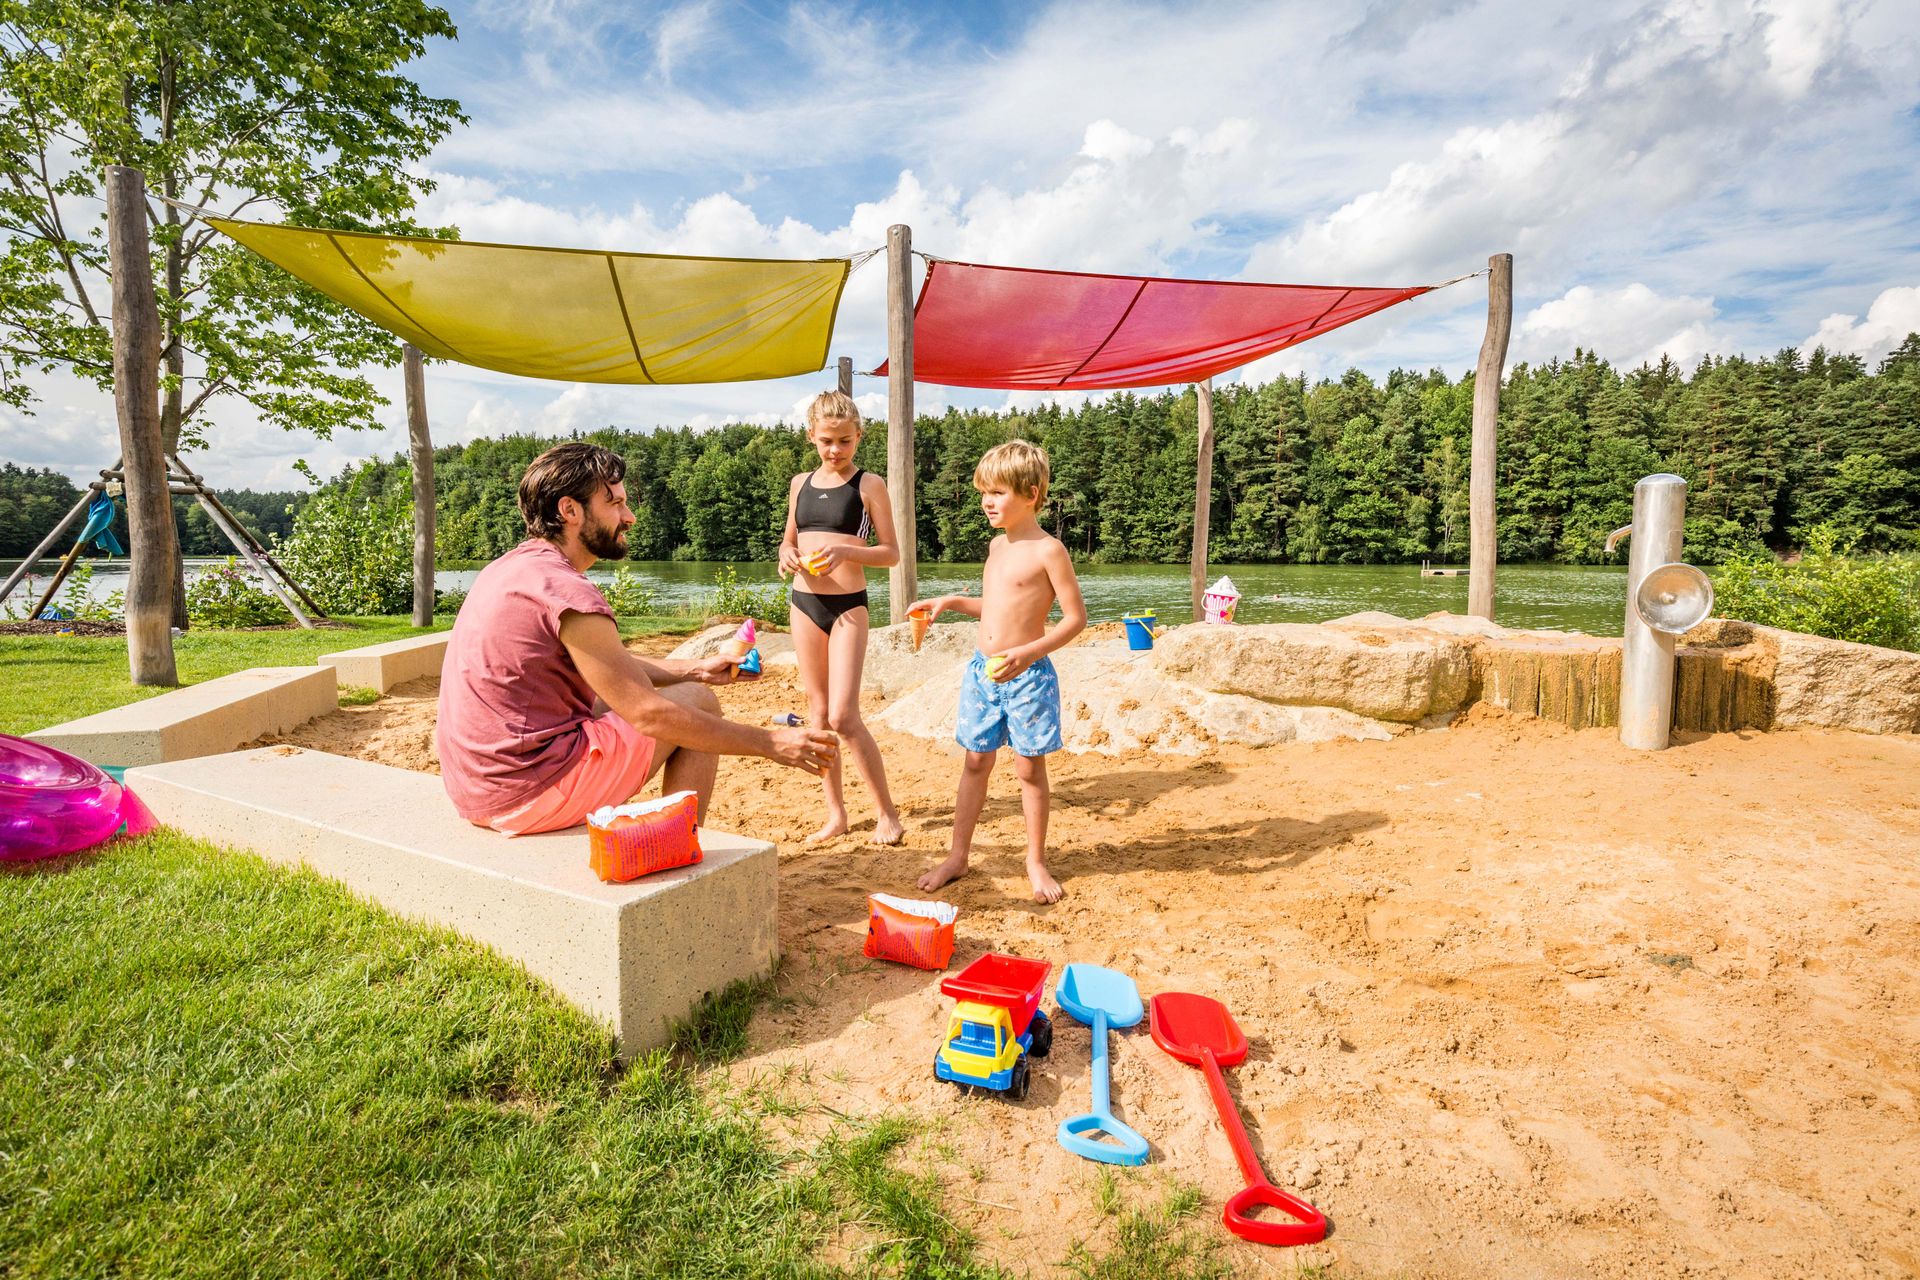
(1140, 630)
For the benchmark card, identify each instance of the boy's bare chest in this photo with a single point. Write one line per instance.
(1011, 573)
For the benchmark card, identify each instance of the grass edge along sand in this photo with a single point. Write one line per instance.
(220, 1067)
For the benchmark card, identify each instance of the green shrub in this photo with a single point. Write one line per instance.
(733, 597)
(1869, 599)
(226, 597)
(627, 595)
(77, 601)
(353, 548)
(448, 602)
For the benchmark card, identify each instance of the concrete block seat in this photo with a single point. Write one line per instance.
(200, 720)
(381, 666)
(638, 955)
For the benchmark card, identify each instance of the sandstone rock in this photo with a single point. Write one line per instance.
(776, 647)
(893, 668)
(1369, 618)
(1115, 701)
(1838, 685)
(1393, 673)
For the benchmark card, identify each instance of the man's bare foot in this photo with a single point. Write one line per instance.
(946, 873)
(835, 827)
(887, 830)
(1045, 887)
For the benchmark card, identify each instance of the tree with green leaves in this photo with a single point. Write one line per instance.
(297, 106)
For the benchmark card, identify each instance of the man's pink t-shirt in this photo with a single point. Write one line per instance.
(511, 700)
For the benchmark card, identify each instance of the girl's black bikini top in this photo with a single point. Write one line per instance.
(835, 510)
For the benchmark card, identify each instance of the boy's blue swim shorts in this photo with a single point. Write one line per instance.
(1023, 712)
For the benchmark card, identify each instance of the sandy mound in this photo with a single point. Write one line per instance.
(1522, 1003)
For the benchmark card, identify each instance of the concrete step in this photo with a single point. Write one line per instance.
(200, 720)
(638, 955)
(382, 666)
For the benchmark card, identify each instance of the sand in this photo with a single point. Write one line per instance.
(1521, 1002)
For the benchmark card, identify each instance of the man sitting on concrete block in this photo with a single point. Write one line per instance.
(544, 715)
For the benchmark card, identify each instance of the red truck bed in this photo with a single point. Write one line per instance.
(1008, 981)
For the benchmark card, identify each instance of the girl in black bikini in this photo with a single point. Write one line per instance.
(830, 512)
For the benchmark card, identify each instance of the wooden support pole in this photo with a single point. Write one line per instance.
(420, 444)
(155, 550)
(242, 544)
(59, 576)
(1202, 492)
(1484, 550)
(903, 580)
(846, 375)
(46, 544)
(197, 488)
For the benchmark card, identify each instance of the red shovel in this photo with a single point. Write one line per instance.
(1201, 1033)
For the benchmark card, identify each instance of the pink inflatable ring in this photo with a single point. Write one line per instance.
(53, 803)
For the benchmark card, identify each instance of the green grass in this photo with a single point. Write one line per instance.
(1175, 1237)
(219, 1068)
(50, 679)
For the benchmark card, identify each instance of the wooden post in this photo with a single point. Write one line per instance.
(903, 580)
(1202, 492)
(155, 550)
(1483, 550)
(846, 375)
(420, 444)
(46, 544)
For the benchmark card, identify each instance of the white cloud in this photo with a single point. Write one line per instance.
(1678, 176)
(683, 30)
(1628, 326)
(1893, 315)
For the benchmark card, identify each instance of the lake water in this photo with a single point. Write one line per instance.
(1571, 597)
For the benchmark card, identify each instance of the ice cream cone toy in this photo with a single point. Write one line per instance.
(740, 644)
(750, 665)
(921, 620)
(994, 664)
(816, 563)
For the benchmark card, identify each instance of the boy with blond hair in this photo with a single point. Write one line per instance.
(1009, 694)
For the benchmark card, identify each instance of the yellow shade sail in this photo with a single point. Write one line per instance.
(579, 315)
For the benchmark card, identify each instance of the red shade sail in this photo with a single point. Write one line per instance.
(1012, 327)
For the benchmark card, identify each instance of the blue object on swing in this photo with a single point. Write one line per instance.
(1100, 998)
(99, 527)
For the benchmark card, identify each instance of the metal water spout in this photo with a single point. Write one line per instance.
(1665, 598)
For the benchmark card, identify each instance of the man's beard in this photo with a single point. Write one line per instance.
(604, 540)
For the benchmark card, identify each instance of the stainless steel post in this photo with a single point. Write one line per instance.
(1646, 663)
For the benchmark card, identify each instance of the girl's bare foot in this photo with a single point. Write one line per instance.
(946, 873)
(1045, 887)
(887, 829)
(835, 827)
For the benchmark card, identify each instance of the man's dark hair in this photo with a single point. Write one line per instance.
(574, 471)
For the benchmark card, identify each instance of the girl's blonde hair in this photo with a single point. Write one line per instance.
(833, 406)
(1020, 465)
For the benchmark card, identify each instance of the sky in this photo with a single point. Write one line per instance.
(1683, 177)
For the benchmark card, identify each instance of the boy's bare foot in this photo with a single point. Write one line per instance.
(946, 873)
(887, 830)
(835, 827)
(1045, 887)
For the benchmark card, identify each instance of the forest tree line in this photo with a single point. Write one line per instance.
(1335, 471)
(33, 499)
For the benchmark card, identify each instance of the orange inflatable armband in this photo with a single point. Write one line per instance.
(625, 842)
(909, 932)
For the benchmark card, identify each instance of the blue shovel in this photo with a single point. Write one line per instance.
(1100, 998)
